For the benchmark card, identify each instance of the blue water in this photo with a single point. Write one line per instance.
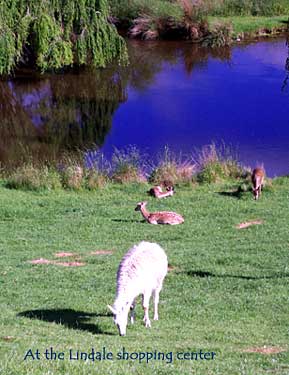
(173, 94)
(238, 101)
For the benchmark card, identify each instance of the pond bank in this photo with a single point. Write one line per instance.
(215, 31)
(250, 27)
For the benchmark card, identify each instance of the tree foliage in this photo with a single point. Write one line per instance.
(53, 34)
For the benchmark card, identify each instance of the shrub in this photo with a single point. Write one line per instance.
(97, 169)
(95, 179)
(219, 35)
(127, 165)
(216, 164)
(171, 170)
(129, 10)
(72, 176)
(29, 177)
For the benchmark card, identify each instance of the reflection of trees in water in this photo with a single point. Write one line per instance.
(44, 116)
(146, 58)
(15, 125)
(81, 110)
(198, 55)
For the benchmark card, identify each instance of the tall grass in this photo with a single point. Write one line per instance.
(127, 165)
(249, 7)
(31, 177)
(213, 163)
(188, 19)
(129, 10)
(216, 163)
(172, 169)
(176, 9)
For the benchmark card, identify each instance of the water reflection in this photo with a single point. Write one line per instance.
(172, 93)
(41, 117)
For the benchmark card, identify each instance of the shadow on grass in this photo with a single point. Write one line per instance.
(68, 318)
(204, 274)
(233, 194)
(128, 221)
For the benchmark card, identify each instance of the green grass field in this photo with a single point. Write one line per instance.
(250, 24)
(227, 291)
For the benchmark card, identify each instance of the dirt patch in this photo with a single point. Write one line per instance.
(101, 252)
(247, 224)
(267, 350)
(64, 264)
(64, 254)
(40, 261)
(69, 264)
(7, 338)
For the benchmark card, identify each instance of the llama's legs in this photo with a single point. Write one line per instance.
(145, 305)
(156, 295)
(132, 312)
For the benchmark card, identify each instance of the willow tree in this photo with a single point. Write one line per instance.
(52, 34)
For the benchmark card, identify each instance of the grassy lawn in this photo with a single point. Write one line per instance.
(227, 291)
(248, 24)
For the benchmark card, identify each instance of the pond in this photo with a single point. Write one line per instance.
(172, 94)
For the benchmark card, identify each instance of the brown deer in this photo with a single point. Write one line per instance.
(160, 217)
(157, 192)
(257, 181)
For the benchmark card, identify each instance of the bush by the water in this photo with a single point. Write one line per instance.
(172, 169)
(211, 164)
(218, 163)
(127, 166)
(30, 177)
(188, 19)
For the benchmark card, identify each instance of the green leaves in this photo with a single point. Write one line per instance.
(57, 33)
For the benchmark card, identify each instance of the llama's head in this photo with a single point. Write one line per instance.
(120, 318)
(140, 205)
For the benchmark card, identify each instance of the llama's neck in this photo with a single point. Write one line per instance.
(144, 212)
(124, 299)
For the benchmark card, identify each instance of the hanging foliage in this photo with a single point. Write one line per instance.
(51, 34)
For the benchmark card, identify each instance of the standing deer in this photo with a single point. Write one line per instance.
(160, 217)
(157, 192)
(257, 181)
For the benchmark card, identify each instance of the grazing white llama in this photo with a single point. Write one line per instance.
(141, 271)
(257, 181)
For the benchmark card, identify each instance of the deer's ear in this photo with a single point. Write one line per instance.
(111, 309)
